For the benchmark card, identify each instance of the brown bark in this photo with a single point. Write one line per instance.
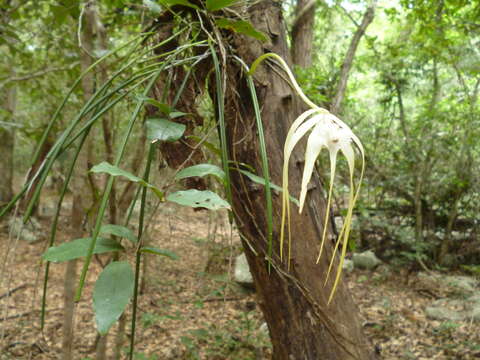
(302, 33)
(294, 301)
(336, 105)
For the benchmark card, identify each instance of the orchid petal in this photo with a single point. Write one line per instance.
(288, 148)
(317, 139)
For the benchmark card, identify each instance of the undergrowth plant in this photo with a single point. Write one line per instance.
(139, 71)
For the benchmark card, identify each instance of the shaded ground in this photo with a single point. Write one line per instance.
(191, 310)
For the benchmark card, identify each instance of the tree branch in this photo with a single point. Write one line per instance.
(36, 74)
(348, 62)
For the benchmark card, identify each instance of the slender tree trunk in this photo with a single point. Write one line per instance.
(294, 301)
(80, 202)
(7, 141)
(302, 33)
(336, 105)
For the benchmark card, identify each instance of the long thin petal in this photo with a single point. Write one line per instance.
(317, 139)
(288, 148)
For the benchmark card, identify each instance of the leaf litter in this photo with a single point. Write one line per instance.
(190, 308)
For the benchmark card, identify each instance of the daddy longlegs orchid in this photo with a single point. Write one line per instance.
(326, 131)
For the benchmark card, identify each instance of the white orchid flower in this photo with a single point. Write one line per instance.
(329, 132)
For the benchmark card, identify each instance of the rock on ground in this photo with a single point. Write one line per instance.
(366, 260)
(242, 274)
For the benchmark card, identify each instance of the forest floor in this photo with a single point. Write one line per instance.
(191, 309)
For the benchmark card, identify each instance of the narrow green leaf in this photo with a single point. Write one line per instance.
(164, 130)
(120, 231)
(164, 108)
(196, 198)
(111, 294)
(214, 149)
(162, 252)
(201, 170)
(79, 248)
(242, 27)
(213, 5)
(176, 114)
(169, 3)
(259, 180)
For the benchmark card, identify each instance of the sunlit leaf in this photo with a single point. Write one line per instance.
(79, 248)
(196, 198)
(201, 170)
(242, 27)
(120, 231)
(113, 291)
(164, 130)
(162, 252)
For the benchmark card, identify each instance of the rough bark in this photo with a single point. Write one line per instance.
(367, 19)
(302, 33)
(294, 301)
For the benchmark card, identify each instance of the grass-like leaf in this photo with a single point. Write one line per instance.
(161, 252)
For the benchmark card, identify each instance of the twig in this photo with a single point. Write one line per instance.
(10, 292)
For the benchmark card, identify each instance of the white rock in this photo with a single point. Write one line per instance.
(242, 273)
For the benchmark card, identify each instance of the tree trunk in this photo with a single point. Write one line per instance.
(7, 140)
(80, 201)
(336, 106)
(302, 33)
(294, 301)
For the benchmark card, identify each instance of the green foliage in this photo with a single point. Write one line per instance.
(196, 198)
(120, 231)
(213, 5)
(242, 27)
(114, 171)
(164, 130)
(113, 291)
(201, 170)
(79, 248)
(241, 338)
(161, 252)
